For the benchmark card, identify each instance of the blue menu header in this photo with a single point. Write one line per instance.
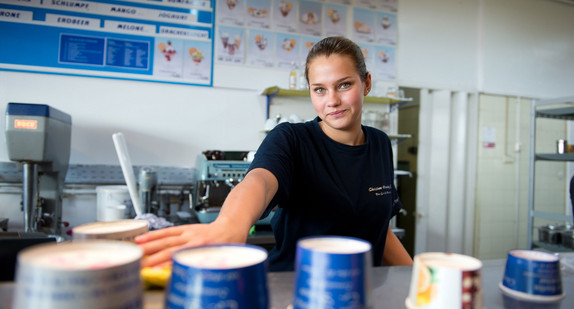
(162, 41)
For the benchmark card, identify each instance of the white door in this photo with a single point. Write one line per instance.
(446, 169)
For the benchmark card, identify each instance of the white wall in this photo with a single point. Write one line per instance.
(164, 124)
(528, 48)
(437, 44)
(516, 47)
(439, 47)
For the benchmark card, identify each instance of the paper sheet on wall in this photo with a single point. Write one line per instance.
(258, 14)
(488, 137)
(229, 44)
(335, 20)
(287, 51)
(385, 62)
(310, 17)
(230, 12)
(386, 28)
(260, 48)
(285, 16)
(363, 25)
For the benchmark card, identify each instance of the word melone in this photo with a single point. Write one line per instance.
(130, 27)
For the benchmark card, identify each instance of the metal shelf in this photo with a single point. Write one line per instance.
(554, 156)
(559, 109)
(551, 247)
(564, 113)
(273, 91)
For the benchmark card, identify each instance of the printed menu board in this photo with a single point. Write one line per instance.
(150, 40)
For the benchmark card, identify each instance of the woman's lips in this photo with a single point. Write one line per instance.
(336, 113)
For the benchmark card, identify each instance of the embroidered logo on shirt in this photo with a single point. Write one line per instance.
(382, 190)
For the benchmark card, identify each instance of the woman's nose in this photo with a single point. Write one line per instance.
(333, 98)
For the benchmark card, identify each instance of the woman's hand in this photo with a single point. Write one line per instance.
(158, 246)
(242, 208)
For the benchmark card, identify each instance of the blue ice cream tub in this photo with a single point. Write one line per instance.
(219, 276)
(533, 276)
(332, 272)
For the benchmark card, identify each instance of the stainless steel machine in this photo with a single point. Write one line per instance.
(38, 138)
(147, 190)
(217, 172)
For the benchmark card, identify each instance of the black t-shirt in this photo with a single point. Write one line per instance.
(327, 188)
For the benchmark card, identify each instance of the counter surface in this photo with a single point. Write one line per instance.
(391, 288)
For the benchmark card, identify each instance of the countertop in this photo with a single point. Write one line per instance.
(390, 289)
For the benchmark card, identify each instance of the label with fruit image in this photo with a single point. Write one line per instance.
(445, 280)
(434, 284)
(426, 285)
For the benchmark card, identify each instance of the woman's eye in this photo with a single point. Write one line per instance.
(319, 90)
(344, 85)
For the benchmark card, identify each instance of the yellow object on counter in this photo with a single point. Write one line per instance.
(155, 277)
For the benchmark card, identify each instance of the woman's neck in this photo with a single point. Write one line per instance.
(351, 137)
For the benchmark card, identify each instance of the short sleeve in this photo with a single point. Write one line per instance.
(277, 155)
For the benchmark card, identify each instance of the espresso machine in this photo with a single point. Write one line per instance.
(217, 173)
(38, 138)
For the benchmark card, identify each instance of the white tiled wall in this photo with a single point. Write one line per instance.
(503, 173)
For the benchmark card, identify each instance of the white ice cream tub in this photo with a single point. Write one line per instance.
(89, 274)
(125, 230)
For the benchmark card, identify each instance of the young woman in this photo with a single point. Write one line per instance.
(329, 176)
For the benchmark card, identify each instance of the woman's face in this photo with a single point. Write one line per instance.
(337, 91)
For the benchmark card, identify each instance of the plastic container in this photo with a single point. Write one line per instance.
(533, 276)
(332, 268)
(124, 230)
(87, 275)
(111, 196)
(219, 276)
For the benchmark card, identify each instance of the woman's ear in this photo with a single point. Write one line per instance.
(368, 84)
